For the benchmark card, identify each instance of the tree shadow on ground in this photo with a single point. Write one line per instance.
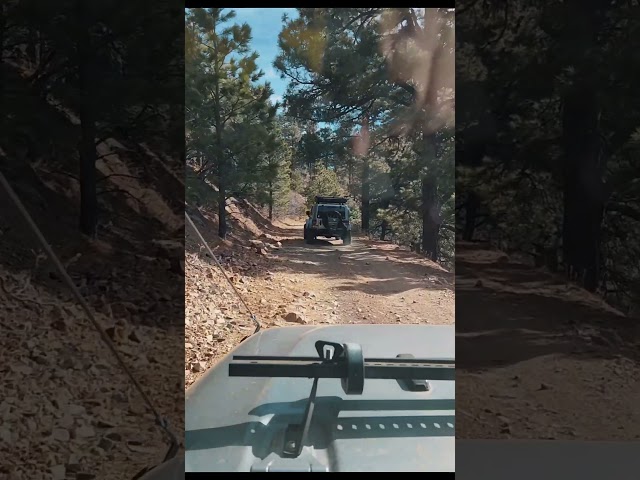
(509, 313)
(260, 220)
(363, 266)
(371, 267)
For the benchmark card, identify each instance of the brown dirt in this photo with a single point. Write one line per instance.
(323, 283)
(539, 358)
(366, 282)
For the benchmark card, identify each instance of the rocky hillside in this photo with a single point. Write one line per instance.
(68, 410)
(215, 318)
(287, 282)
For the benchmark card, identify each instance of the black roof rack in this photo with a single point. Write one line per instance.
(338, 200)
(344, 361)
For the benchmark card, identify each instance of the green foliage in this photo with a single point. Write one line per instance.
(95, 60)
(228, 116)
(517, 142)
(226, 111)
(297, 180)
(274, 181)
(324, 182)
(107, 38)
(366, 74)
(198, 192)
(356, 214)
(353, 76)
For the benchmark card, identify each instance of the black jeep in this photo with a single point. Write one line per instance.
(329, 218)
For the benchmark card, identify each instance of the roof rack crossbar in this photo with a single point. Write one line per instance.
(344, 361)
(312, 368)
(338, 200)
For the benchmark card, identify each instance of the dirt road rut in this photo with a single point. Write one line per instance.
(365, 282)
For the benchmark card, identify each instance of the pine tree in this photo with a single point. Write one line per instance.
(224, 105)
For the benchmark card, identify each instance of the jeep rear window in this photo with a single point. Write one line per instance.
(331, 208)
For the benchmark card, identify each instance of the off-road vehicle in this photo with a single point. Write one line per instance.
(330, 218)
(327, 399)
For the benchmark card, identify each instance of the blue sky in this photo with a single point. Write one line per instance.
(266, 24)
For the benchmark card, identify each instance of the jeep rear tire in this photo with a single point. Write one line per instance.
(308, 238)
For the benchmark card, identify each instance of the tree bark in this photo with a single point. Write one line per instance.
(30, 48)
(87, 146)
(430, 207)
(583, 187)
(470, 218)
(472, 155)
(270, 201)
(384, 226)
(383, 230)
(222, 211)
(366, 187)
(430, 222)
(3, 23)
(583, 167)
(221, 161)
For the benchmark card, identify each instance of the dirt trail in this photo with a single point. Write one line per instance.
(291, 283)
(365, 282)
(540, 359)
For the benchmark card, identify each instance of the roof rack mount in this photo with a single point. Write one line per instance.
(338, 200)
(344, 361)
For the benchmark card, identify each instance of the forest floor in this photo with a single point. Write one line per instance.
(538, 358)
(287, 282)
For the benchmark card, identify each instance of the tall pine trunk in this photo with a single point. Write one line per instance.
(584, 195)
(471, 154)
(270, 201)
(3, 24)
(430, 208)
(430, 224)
(384, 226)
(350, 176)
(366, 187)
(583, 188)
(221, 161)
(471, 211)
(222, 187)
(87, 147)
(222, 212)
(383, 230)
